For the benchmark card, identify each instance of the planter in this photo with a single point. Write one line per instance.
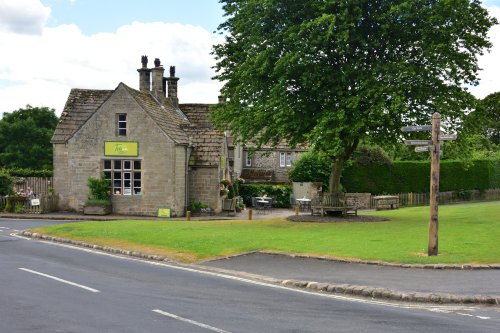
(97, 210)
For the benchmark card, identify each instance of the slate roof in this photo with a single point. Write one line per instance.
(80, 106)
(165, 115)
(83, 103)
(203, 135)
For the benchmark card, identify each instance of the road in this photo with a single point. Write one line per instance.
(46, 287)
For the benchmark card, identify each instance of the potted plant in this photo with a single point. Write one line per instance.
(99, 199)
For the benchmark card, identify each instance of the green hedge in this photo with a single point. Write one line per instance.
(21, 172)
(414, 176)
(280, 193)
(5, 183)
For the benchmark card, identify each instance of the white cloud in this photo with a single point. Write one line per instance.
(489, 62)
(41, 69)
(23, 16)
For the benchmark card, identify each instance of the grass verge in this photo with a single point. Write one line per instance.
(467, 234)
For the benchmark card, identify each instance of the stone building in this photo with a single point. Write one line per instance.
(268, 164)
(156, 152)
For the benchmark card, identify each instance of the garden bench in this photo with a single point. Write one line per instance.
(334, 202)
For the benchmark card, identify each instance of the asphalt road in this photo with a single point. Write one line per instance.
(52, 288)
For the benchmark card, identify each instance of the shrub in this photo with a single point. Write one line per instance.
(280, 193)
(5, 183)
(99, 192)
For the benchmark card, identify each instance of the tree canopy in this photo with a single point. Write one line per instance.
(25, 138)
(329, 73)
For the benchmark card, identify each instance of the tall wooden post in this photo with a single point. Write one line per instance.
(432, 249)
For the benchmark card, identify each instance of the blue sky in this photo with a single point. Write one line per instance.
(51, 46)
(93, 16)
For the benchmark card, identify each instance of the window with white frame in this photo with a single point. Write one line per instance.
(285, 159)
(248, 159)
(124, 175)
(121, 124)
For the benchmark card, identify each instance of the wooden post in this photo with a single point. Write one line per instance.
(297, 211)
(250, 214)
(188, 215)
(432, 249)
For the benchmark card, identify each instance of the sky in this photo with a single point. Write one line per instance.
(50, 46)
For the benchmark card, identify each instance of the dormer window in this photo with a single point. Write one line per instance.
(121, 124)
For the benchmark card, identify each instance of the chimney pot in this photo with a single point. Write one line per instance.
(157, 62)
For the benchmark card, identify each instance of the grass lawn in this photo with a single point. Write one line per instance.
(467, 234)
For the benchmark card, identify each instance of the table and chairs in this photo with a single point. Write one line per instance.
(262, 204)
(304, 204)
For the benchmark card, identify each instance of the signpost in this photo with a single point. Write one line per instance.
(434, 147)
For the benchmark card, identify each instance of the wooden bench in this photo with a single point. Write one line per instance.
(334, 202)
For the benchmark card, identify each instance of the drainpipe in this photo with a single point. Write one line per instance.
(189, 149)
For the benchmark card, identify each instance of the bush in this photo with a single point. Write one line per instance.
(311, 167)
(280, 193)
(23, 172)
(5, 183)
(99, 192)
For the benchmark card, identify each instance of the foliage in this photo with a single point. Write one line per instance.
(27, 172)
(352, 69)
(25, 136)
(5, 183)
(279, 193)
(197, 206)
(367, 155)
(414, 176)
(98, 202)
(8, 207)
(99, 188)
(403, 239)
(485, 119)
(310, 167)
(19, 207)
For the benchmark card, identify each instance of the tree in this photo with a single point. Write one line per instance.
(485, 119)
(25, 138)
(329, 73)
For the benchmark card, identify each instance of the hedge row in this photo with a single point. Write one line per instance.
(414, 176)
(279, 193)
(22, 172)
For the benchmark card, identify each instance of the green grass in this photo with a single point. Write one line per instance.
(467, 234)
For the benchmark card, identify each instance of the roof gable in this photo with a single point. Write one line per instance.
(83, 103)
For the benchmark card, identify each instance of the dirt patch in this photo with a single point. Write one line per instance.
(335, 219)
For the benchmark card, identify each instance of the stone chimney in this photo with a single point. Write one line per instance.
(144, 75)
(158, 89)
(172, 87)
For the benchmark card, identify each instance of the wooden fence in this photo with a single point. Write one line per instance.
(422, 199)
(39, 185)
(46, 203)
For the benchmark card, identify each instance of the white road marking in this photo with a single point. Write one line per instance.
(189, 321)
(60, 280)
(448, 309)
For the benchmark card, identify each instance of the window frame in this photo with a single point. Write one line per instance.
(125, 176)
(121, 124)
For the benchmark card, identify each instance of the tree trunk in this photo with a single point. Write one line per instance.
(337, 167)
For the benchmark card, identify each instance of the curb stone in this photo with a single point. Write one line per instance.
(379, 263)
(341, 289)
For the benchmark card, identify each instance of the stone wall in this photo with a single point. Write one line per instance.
(270, 160)
(204, 186)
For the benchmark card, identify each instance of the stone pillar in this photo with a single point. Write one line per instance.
(144, 75)
(172, 87)
(157, 81)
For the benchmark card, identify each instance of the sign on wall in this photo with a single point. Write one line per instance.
(163, 212)
(121, 148)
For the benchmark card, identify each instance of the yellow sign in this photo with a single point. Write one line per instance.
(163, 212)
(121, 148)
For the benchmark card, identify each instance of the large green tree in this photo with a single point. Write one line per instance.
(25, 138)
(331, 72)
